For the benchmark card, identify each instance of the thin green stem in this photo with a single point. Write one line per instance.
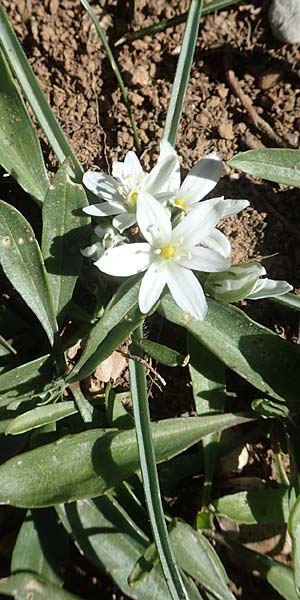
(115, 68)
(19, 64)
(165, 23)
(183, 71)
(150, 479)
(83, 405)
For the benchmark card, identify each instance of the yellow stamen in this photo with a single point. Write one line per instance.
(168, 252)
(132, 197)
(180, 203)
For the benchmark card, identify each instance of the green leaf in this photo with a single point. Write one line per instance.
(255, 506)
(275, 164)
(42, 547)
(208, 383)
(23, 586)
(112, 541)
(288, 300)
(20, 151)
(120, 318)
(294, 531)
(65, 233)
(93, 462)
(22, 263)
(264, 359)
(19, 64)
(143, 565)
(183, 70)
(42, 415)
(163, 354)
(197, 557)
(26, 381)
(279, 576)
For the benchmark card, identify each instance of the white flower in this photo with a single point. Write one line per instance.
(120, 192)
(199, 182)
(244, 281)
(170, 255)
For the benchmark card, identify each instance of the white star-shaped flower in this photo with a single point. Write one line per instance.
(169, 255)
(120, 192)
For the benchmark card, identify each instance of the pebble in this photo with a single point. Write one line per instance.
(284, 18)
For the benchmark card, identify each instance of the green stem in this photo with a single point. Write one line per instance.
(83, 405)
(115, 68)
(183, 71)
(150, 478)
(19, 64)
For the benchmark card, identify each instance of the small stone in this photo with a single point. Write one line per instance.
(225, 131)
(269, 79)
(284, 18)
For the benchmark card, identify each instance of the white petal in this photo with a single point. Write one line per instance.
(219, 242)
(232, 207)
(125, 260)
(132, 165)
(153, 220)
(105, 209)
(102, 185)
(158, 179)
(269, 287)
(123, 221)
(201, 179)
(199, 223)
(118, 169)
(186, 291)
(93, 252)
(204, 259)
(152, 285)
(167, 150)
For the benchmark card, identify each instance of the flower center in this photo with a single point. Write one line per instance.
(132, 197)
(180, 203)
(168, 252)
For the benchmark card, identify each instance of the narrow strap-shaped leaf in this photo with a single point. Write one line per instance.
(147, 458)
(163, 354)
(288, 300)
(260, 356)
(65, 233)
(19, 64)
(163, 24)
(91, 463)
(115, 68)
(274, 164)
(22, 263)
(294, 531)
(183, 71)
(20, 151)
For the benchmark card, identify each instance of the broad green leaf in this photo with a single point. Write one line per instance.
(264, 359)
(197, 557)
(281, 165)
(255, 506)
(112, 541)
(91, 463)
(208, 384)
(120, 318)
(65, 233)
(42, 547)
(163, 354)
(20, 151)
(26, 381)
(22, 263)
(42, 415)
(294, 531)
(23, 586)
(279, 576)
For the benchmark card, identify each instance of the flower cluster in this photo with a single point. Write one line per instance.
(177, 233)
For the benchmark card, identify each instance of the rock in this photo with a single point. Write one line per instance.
(284, 18)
